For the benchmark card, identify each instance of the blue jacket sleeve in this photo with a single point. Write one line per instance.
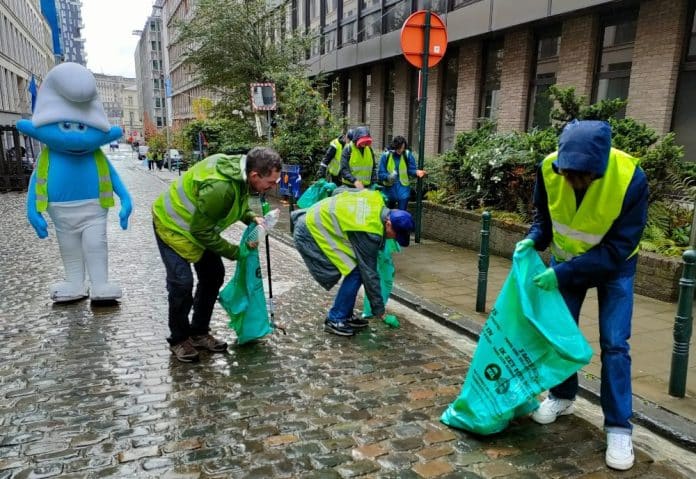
(383, 174)
(610, 256)
(540, 230)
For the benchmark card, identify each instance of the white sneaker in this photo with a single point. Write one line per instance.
(619, 451)
(551, 408)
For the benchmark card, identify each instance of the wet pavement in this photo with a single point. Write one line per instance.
(93, 391)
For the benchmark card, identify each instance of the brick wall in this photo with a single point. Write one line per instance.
(401, 98)
(432, 111)
(656, 58)
(356, 97)
(377, 107)
(657, 276)
(579, 40)
(469, 86)
(514, 82)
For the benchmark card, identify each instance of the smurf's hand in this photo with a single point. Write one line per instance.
(39, 224)
(126, 210)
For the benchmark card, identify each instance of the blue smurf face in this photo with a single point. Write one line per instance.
(70, 137)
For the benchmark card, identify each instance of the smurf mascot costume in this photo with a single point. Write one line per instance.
(73, 180)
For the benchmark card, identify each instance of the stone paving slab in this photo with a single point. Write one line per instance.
(93, 392)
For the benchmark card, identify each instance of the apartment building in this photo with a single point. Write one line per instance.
(149, 69)
(501, 58)
(25, 50)
(114, 92)
(132, 120)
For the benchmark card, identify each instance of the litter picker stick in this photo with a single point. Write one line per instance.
(265, 208)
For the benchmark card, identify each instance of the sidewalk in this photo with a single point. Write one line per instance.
(440, 280)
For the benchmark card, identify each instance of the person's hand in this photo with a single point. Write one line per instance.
(359, 185)
(523, 245)
(252, 244)
(260, 220)
(546, 280)
(421, 173)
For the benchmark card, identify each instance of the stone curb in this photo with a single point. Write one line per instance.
(653, 417)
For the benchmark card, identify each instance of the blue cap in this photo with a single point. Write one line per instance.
(403, 225)
(584, 146)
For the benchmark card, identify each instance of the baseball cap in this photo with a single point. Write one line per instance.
(403, 224)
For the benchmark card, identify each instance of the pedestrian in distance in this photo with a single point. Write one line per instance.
(397, 167)
(358, 166)
(188, 220)
(591, 205)
(341, 236)
(159, 159)
(331, 164)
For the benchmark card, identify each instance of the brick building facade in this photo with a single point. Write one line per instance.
(502, 57)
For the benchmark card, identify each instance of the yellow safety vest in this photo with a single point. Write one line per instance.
(577, 230)
(175, 207)
(331, 219)
(335, 163)
(106, 189)
(403, 167)
(360, 165)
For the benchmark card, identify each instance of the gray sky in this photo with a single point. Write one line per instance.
(110, 44)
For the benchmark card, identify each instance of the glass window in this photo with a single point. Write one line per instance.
(395, 15)
(437, 6)
(349, 33)
(614, 73)
(389, 85)
(548, 47)
(367, 86)
(330, 41)
(371, 25)
(493, 66)
(449, 100)
(462, 3)
(684, 122)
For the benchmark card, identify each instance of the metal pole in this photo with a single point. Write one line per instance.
(683, 326)
(483, 262)
(692, 240)
(421, 124)
(270, 132)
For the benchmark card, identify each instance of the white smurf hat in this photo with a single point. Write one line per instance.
(69, 93)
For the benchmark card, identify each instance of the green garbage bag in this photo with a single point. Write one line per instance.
(243, 297)
(529, 343)
(386, 270)
(316, 192)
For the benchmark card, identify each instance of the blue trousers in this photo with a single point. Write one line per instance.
(344, 302)
(615, 299)
(211, 274)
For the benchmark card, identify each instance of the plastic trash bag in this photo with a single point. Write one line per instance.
(386, 270)
(243, 297)
(529, 343)
(316, 192)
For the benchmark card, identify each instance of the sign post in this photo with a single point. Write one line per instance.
(423, 42)
(263, 97)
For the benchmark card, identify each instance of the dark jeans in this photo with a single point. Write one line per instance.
(211, 274)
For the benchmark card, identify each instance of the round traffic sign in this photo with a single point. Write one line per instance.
(413, 39)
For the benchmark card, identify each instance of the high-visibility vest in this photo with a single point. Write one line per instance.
(330, 220)
(577, 230)
(106, 189)
(176, 206)
(361, 165)
(335, 163)
(403, 167)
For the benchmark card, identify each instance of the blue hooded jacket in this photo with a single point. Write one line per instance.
(585, 146)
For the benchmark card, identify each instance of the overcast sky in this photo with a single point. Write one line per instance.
(110, 43)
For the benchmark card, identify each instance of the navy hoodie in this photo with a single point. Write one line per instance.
(585, 146)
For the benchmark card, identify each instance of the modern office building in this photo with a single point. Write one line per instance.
(25, 50)
(72, 43)
(501, 58)
(149, 69)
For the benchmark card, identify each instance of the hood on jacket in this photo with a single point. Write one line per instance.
(584, 146)
(233, 166)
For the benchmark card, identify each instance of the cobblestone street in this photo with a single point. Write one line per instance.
(94, 392)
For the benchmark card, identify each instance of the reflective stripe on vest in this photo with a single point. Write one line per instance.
(403, 170)
(361, 165)
(331, 219)
(106, 190)
(577, 230)
(335, 163)
(176, 206)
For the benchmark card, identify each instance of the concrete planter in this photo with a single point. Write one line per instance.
(657, 276)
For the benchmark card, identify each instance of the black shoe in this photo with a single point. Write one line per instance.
(338, 327)
(357, 322)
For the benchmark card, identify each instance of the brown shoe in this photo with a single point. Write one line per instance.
(208, 342)
(185, 352)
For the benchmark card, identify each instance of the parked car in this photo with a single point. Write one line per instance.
(174, 160)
